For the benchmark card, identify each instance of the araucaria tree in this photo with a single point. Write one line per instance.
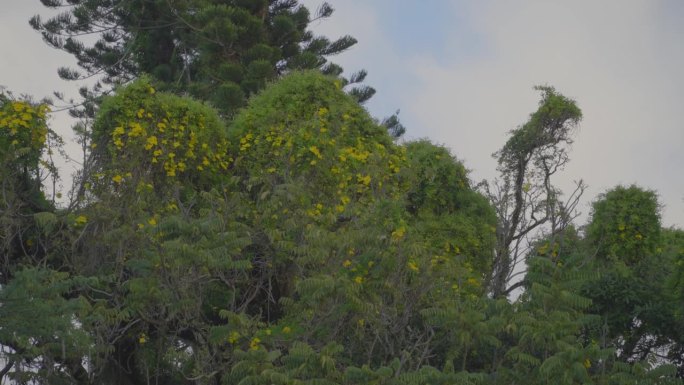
(215, 50)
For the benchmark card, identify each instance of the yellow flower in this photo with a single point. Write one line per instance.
(346, 263)
(151, 142)
(399, 233)
(142, 339)
(118, 131)
(233, 337)
(412, 265)
(136, 129)
(152, 221)
(254, 343)
(117, 178)
(358, 279)
(363, 179)
(316, 152)
(287, 330)
(81, 220)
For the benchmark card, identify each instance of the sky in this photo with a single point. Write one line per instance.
(462, 74)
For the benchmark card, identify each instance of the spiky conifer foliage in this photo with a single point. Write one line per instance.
(215, 50)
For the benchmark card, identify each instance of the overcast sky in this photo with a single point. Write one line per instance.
(462, 73)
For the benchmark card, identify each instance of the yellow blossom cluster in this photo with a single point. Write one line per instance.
(413, 266)
(327, 147)
(150, 139)
(22, 125)
(170, 141)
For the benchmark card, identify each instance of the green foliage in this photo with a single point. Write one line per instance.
(524, 196)
(23, 137)
(330, 192)
(23, 132)
(625, 225)
(299, 244)
(304, 236)
(306, 129)
(148, 141)
(547, 127)
(549, 326)
(218, 51)
(633, 293)
(445, 207)
(294, 241)
(40, 326)
(672, 249)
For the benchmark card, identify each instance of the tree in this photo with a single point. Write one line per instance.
(625, 225)
(632, 293)
(214, 50)
(39, 337)
(36, 310)
(524, 197)
(673, 253)
(23, 137)
(273, 246)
